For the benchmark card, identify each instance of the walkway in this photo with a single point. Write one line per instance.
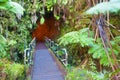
(45, 67)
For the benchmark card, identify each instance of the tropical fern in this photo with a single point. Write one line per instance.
(98, 51)
(112, 6)
(11, 6)
(116, 44)
(80, 36)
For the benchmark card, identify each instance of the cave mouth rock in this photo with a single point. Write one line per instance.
(48, 29)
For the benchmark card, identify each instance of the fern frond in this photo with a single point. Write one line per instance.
(98, 52)
(80, 37)
(112, 6)
(11, 6)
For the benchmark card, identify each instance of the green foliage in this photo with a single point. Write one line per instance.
(17, 33)
(98, 51)
(80, 36)
(4, 0)
(42, 20)
(99, 76)
(116, 72)
(112, 6)
(10, 70)
(95, 48)
(60, 52)
(11, 6)
(51, 3)
(14, 71)
(78, 74)
(76, 43)
(57, 17)
(82, 74)
(12, 42)
(116, 44)
(3, 42)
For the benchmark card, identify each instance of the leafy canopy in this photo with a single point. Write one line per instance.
(80, 36)
(112, 6)
(11, 6)
(96, 49)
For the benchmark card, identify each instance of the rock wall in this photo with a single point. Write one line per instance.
(48, 29)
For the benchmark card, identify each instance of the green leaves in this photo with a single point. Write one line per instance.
(116, 44)
(42, 20)
(2, 40)
(12, 42)
(78, 74)
(14, 69)
(16, 8)
(112, 6)
(3, 1)
(98, 51)
(57, 17)
(2, 46)
(80, 36)
(11, 6)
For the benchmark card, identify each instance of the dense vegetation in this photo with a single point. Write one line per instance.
(91, 37)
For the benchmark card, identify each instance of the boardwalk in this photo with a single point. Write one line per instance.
(45, 67)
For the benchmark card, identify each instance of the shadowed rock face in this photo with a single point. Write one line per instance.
(48, 29)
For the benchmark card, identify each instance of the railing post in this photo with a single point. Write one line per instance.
(66, 57)
(28, 52)
(53, 44)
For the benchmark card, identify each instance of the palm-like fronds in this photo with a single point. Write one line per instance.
(11, 6)
(112, 6)
(80, 37)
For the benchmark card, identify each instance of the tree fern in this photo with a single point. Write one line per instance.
(98, 51)
(11, 6)
(80, 37)
(112, 6)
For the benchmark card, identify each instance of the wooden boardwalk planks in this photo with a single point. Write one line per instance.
(45, 67)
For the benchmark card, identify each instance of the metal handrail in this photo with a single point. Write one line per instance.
(28, 52)
(52, 44)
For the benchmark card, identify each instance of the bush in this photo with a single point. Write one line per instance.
(78, 74)
(11, 71)
(82, 74)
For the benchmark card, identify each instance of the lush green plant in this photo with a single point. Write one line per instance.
(14, 71)
(78, 74)
(95, 48)
(3, 42)
(11, 71)
(104, 7)
(80, 36)
(11, 6)
(16, 30)
(98, 51)
(76, 43)
(82, 74)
